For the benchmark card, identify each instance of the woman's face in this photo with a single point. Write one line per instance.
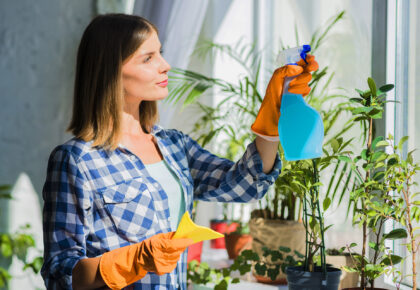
(144, 74)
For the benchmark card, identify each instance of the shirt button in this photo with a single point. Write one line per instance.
(133, 158)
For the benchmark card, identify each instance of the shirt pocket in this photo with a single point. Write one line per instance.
(130, 207)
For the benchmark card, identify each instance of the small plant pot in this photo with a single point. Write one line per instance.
(223, 227)
(194, 252)
(235, 243)
(298, 279)
(266, 280)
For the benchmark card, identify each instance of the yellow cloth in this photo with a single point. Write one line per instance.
(189, 230)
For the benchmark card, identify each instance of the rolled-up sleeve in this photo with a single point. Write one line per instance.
(67, 201)
(220, 179)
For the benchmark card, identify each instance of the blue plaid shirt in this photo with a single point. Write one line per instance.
(96, 200)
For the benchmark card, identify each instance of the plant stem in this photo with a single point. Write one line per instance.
(362, 279)
(363, 276)
(375, 257)
(411, 233)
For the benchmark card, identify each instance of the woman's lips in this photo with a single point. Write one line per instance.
(163, 84)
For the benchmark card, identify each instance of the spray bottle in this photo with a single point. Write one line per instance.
(301, 130)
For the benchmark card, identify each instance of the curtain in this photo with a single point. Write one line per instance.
(179, 23)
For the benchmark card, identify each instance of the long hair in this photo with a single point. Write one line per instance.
(106, 43)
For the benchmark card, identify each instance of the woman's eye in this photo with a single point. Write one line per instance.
(147, 59)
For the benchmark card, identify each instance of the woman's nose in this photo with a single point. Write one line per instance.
(164, 66)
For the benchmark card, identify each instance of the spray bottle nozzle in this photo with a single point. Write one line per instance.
(293, 55)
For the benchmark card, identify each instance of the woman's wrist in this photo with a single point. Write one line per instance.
(268, 151)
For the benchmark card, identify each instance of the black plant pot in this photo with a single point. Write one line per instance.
(298, 279)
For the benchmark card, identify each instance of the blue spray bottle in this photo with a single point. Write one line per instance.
(301, 130)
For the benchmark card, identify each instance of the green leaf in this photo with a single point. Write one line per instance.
(285, 249)
(356, 100)
(35, 265)
(372, 86)
(349, 269)
(359, 110)
(394, 259)
(260, 269)
(326, 203)
(335, 145)
(378, 175)
(223, 285)
(392, 161)
(364, 154)
(373, 246)
(386, 88)
(4, 277)
(376, 140)
(235, 280)
(396, 234)
(6, 246)
(402, 141)
(361, 93)
(382, 144)
(344, 158)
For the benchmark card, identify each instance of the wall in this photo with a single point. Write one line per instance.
(38, 45)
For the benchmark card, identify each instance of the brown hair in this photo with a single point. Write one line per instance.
(106, 43)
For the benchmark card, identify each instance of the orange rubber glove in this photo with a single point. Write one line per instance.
(266, 122)
(124, 266)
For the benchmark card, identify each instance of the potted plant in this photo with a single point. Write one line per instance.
(312, 274)
(374, 183)
(396, 202)
(401, 206)
(224, 226)
(238, 240)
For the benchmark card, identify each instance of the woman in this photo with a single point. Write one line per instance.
(114, 193)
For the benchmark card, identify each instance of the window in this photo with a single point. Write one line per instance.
(403, 69)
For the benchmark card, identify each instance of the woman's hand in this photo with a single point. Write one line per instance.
(161, 253)
(266, 122)
(126, 265)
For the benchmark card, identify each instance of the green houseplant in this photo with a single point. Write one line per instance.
(282, 209)
(401, 206)
(394, 181)
(377, 175)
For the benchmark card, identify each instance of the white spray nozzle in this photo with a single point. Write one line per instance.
(292, 55)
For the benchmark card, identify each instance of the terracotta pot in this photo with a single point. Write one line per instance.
(266, 280)
(223, 227)
(194, 252)
(235, 243)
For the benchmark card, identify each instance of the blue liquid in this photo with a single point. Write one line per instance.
(301, 130)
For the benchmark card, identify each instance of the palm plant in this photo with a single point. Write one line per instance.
(231, 119)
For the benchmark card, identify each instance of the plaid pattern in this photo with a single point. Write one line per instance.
(96, 200)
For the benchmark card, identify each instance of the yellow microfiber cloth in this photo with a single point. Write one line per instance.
(188, 229)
